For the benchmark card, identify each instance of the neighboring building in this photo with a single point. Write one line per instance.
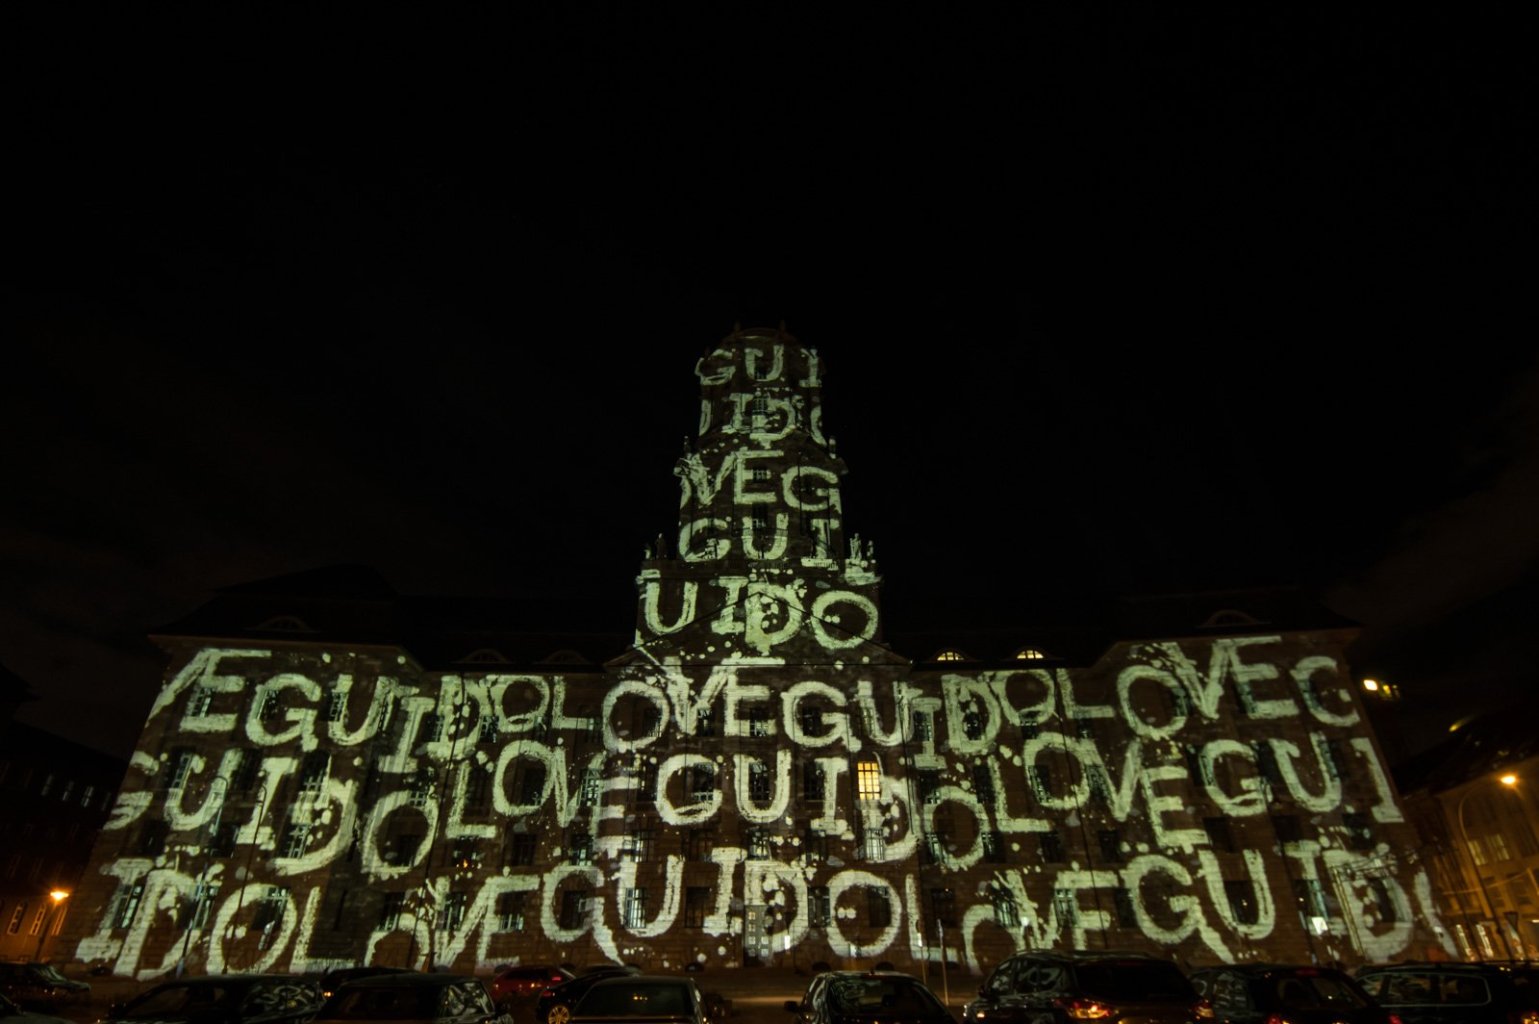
(333, 774)
(1473, 802)
(54, 797)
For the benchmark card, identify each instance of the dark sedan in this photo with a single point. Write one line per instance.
(555, 1003)
(224, 999)
(411, 997)
(863, 997)
(39, 986)
(1258, 993)
(641, 999)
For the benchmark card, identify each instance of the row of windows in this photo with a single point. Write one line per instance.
(52, 786)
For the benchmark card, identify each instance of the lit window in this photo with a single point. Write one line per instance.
(868, 779)
(1029, 654)
(950, 655)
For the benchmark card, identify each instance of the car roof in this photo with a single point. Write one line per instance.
(1267, 968)
(411, 979)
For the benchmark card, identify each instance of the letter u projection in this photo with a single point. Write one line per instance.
(331, 776)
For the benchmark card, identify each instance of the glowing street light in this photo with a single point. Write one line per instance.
(58, 896)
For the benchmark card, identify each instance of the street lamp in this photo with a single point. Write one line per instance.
(58, 896)
(1509, 780)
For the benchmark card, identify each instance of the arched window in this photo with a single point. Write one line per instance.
(1029, 654)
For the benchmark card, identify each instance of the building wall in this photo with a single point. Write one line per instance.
(759, 779)
(54, 796)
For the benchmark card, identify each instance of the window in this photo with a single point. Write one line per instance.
(819, 909)
(478, 790)
(929, 782)
(1041, 776)
(313, 771)
(1219, 834)
(510, 911)
(521, 849)
(336, 706)
(645, 774)
(637, 845)
(993, 848)
(701, 779)
(868, 780)
(222, 843)
(431, 729)
(128, 898)
(697, 844)
(873, 841)
(972, 724)
(67, 791)
(814, 844)
(1005, 913)
(487, 732)
(591, 786)
(1266, 763)
(1111, 845)
(1384, 901)
(202, 699)
(152, 840)
(1242, 901)
(697, 906)
(1288, 828)
(923, 726)
(531, 784)
(1051, 848)
(86, 794)
(878, 910)
(1122, 905)
(17, 914)
(390, 911)
(1335, 758)
(812, 782)
(758, 844)
(1065, 906)
(983, 781)
(181, 767)
(422, 788)
(453, 914)
(1084, 728)
(943, 902)
(579, 847)
(634, 907)
(296, 839)
(759, 724)
(810, 719)
(705, 722)
(574, 908)
(1359, 829)
(247, 770)
(1195, 770)
(758, 780)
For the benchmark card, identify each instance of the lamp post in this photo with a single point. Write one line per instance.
(1509, 780)
(58, 896)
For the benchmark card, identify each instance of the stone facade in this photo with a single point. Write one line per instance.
(758, 777)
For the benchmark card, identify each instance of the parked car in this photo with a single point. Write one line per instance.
(641, 999)
(332, 980)
(10, 1013)
(224, 999)
(860, 997)
(1044, 986)
(38, 986)
(554, 1005)
(513, 985)
(1258, 993)
(1456, 993)
(412, 997)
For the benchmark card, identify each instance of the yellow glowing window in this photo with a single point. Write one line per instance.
(951, 656)
(1029, 654)
(868, 780)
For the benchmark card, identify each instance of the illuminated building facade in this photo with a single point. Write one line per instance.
(756, 776)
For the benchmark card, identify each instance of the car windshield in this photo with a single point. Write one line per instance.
(1133, 981)
(396, 1002)
(176, 1001)
(1314, 992)
(49, 973)
(637, 999)
(878, 995)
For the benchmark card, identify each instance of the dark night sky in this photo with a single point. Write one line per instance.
(1150, 303)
